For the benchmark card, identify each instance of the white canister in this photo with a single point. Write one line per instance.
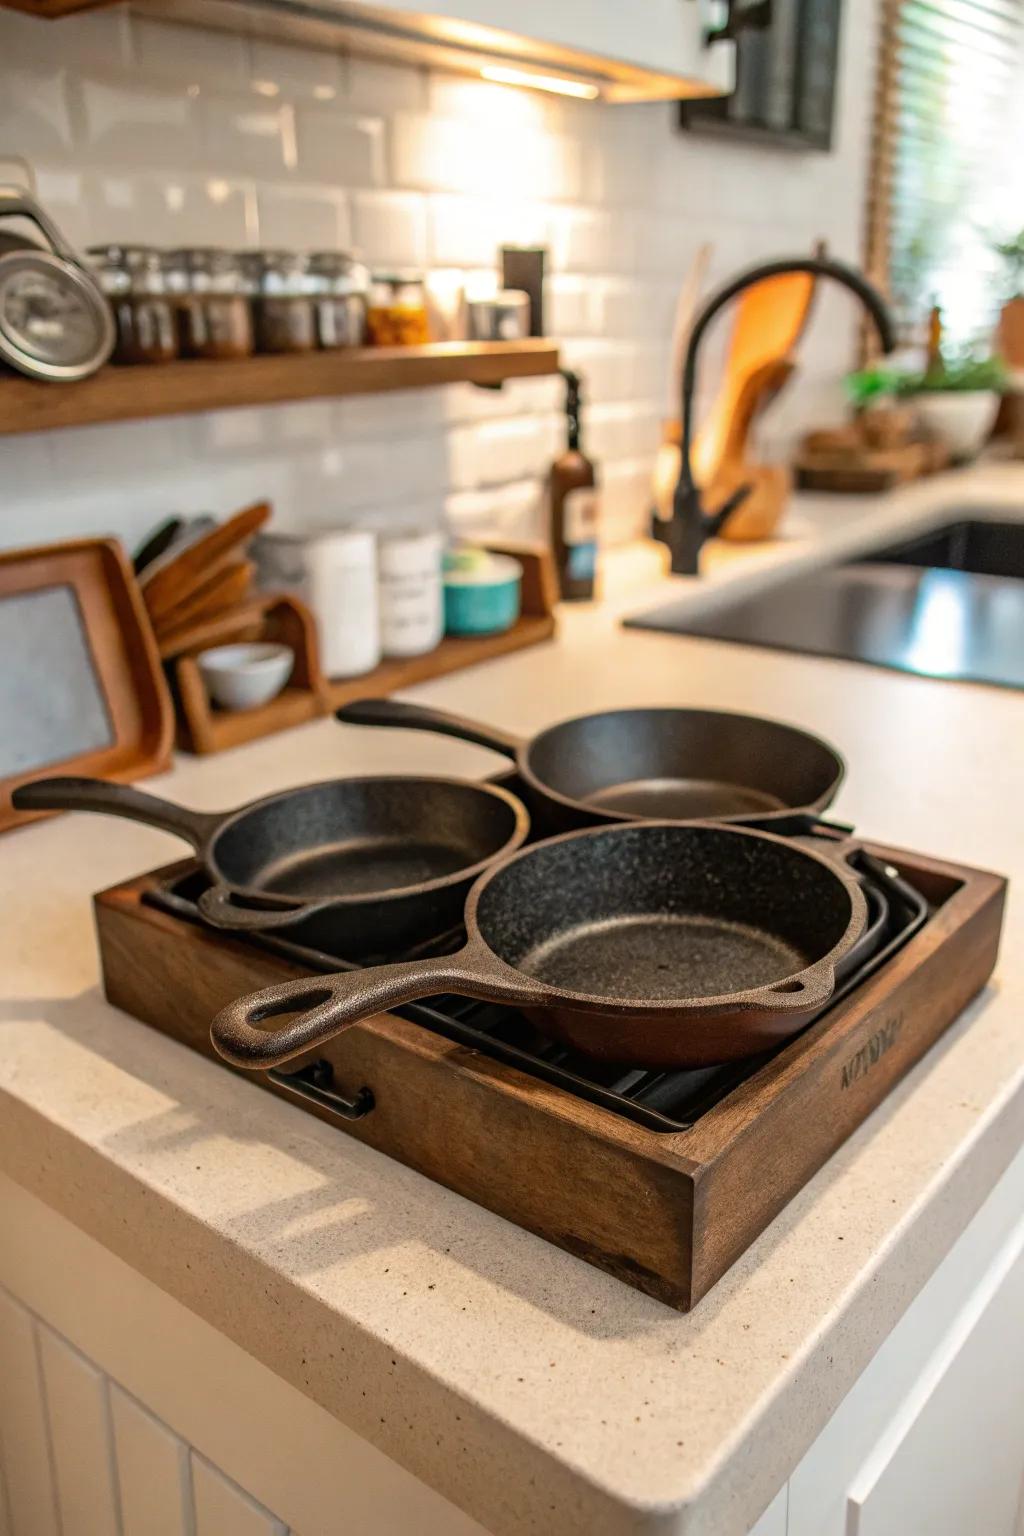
(411, 594)
(341, 586)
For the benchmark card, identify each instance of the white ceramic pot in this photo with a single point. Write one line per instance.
(961, 418)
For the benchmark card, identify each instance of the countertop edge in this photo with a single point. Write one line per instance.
(114, 1207)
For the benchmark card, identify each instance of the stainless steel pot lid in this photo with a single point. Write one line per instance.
(54, 321)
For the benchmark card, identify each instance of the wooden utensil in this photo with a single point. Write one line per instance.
(242, 621)
(229, 585)
(172, 584)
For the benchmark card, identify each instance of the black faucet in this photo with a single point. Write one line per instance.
(690, 525)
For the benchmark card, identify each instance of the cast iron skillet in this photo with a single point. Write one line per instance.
(364, 864)
(639, 764)
(655, 943)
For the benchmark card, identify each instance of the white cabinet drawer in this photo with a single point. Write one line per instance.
(953, 1461)
(942, 1393)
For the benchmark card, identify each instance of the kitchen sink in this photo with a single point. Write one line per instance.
(980, 547)
(947, 604)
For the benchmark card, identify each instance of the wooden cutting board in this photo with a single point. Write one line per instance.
(81, 686)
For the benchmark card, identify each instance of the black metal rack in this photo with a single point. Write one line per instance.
(660, 1100)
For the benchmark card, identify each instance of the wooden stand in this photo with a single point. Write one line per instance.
(203, 728)
(667, 1213)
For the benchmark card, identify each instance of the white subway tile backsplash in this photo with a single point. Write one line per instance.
(625, 499)
(378, 88)
(170, 210)
(488, 158)
(588, 240)
(345, 150)
(165, 51)
(145, 131)
(124, 121)
(294, 72)
(390, 227)
(467, 231)
(404, 414)
(302, 219)
(247, 135)
(153, 448)
(623, 431)
(35, 122)
(514, 511)
(61, 190)
(570, 305)
(490, 452)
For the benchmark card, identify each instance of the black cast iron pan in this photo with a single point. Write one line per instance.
(639, 764)
(657, 944)
(362, 864)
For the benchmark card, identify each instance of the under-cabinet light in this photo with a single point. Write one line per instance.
(503, 76)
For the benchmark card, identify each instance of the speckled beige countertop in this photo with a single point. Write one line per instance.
(533, 1391)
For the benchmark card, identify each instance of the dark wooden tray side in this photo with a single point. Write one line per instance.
(665, 1213)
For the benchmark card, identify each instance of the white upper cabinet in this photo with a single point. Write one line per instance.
(612, 48)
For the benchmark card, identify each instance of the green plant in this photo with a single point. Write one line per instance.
(1012, 254)
(870, 385)
(957, 375)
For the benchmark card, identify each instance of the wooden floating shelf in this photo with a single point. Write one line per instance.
(176, 389)
(202, 727)
(451, 655)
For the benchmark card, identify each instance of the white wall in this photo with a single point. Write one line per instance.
(139, 131)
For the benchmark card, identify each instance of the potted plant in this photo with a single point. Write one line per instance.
(957, 401)
(1011, 319)
(882, 422)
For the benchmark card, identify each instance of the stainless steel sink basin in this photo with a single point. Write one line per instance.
(980, 547)
(946, 604)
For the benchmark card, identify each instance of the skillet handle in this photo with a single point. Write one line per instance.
(75, 794)
(335, 1002)
(220, 906)
(417, 717)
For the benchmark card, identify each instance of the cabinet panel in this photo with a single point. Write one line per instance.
(222, 1509)
(152, 1472)
(954, 1461)
(83, 1450)
(23, 1430)
(820, 1485)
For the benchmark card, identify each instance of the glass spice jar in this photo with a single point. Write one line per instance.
(397, 312)
(132, 279)
(341, 286)
(212, 302)
(285, 310)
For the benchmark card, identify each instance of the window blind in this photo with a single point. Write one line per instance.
(948, 163)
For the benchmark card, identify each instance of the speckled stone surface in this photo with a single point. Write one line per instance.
(535, 1392)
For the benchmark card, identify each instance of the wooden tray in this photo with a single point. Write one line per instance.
(81, 675)
(667, 1213)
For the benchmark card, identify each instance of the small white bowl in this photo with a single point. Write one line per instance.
(243, 676)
